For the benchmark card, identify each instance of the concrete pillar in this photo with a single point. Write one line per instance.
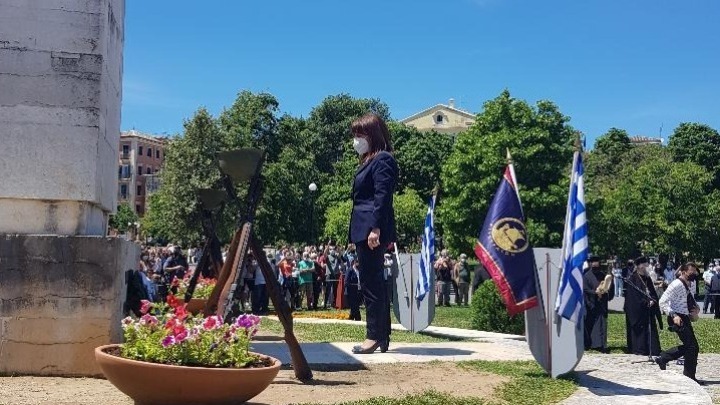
(60, 81)
(62, 283)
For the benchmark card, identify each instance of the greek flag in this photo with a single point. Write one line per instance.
(570, 299)
(427, 253)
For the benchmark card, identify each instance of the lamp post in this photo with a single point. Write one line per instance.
(313, 188)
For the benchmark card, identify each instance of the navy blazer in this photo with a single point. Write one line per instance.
(372, 197)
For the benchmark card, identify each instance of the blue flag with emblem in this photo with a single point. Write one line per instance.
(504, 250)
(570, 300)
(427, 252)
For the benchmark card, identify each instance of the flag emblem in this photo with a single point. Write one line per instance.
(509, 235)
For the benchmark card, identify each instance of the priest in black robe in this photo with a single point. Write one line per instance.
(642, 312)
(596, 305)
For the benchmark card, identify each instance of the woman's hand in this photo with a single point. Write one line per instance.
(374, 238)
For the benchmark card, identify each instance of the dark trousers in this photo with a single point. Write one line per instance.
(709, 301)
(317, 289)
(259, 299)
(689, 347)
(353, 297)
(330, 288)
(374, 291)
(716, 304)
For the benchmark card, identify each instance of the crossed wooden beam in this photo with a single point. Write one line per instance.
(238, 167)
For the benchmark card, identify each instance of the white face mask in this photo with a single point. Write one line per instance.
(360, 145)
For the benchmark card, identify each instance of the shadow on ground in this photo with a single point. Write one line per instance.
(602, 387)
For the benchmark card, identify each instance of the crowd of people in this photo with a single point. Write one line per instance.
(311, 277)
(650, 290)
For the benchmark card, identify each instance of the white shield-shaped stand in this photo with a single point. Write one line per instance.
(556, 343)
(414, 315)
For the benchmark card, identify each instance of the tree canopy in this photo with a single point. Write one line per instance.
(540, 141)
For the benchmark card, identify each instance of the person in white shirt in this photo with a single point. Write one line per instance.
(678, 303)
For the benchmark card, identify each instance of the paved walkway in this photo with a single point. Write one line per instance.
(341, 353)
(603, 379)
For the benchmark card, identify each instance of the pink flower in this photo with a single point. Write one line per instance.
(148, 319)
(212, 322)
(182, 336)
(168, 341)
(146, 305)
(127, 321)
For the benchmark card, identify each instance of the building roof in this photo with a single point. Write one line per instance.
(645, 139)
(435, 107)
(147, 137)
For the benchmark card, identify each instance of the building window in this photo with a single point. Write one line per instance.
(149, 170)
(123, 191)
(139, 190)
(439, 119)
(140, 150)
(157, 153)
(125, 151)
(119, 172)
(125, 172)
(138, 209)
(149, 152)
(139, 172)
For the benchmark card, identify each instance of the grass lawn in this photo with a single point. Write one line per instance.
(706, 331)
(528, 385)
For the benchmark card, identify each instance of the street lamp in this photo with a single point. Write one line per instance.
(313, 188)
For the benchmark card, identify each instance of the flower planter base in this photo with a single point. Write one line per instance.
(151, 383)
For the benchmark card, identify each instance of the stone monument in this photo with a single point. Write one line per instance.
(62, 281)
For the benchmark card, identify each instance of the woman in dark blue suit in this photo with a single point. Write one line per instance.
(372, 224)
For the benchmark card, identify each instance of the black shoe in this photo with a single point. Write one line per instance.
(359, 349)
(660, 362)
(700, 382)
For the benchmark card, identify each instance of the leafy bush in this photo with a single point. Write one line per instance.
(489, 313)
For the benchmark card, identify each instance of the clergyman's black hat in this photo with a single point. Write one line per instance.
(641, 260)
(593, 259)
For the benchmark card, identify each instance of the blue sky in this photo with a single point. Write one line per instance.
(634, 64)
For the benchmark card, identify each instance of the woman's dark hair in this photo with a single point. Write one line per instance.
(374, 129)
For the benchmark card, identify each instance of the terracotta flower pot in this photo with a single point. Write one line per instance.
(151, 383)
(196, 305)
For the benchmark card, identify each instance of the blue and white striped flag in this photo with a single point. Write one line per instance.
(570, 298)
(427, 252)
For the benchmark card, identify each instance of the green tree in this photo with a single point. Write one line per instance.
(656, 206)
(540, 140)
(420, 157)
(123, 217)
(608, 156)
(697, 143)
(156, 222)
(409, 218)
(337, 222)
(287, 212)
(252, 122)
(329, 126)
(190, 164)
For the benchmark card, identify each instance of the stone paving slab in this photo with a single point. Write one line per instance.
(453, 333)
(341, 353)
(614, 379)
